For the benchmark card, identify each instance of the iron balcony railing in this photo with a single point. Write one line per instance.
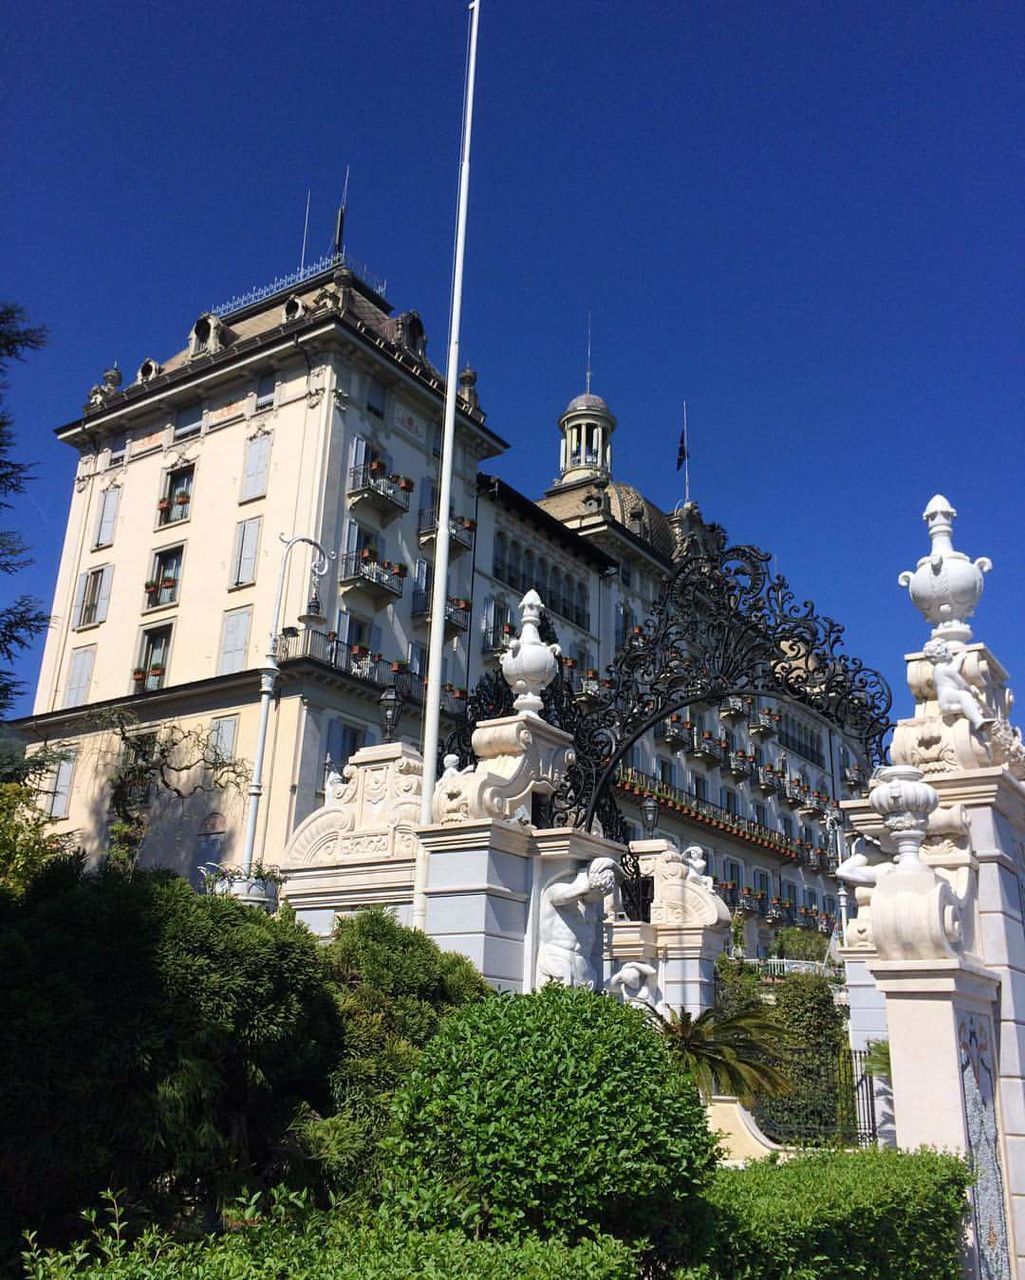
(689, 807)
(427, 523)
(355, 567)
(455, 615)
(495, 639)
(352, 660)
(368, 479)
(701, 743)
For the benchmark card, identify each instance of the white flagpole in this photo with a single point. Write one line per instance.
(439, 586)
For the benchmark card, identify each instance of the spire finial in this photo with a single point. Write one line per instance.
(587, 378)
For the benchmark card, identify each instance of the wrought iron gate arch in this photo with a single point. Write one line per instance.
(722, 626)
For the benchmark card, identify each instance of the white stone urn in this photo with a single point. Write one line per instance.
(946, 587)
(904, 801)
(528, 664)
(253, 891)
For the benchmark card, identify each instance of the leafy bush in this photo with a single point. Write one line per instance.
(559, 1113)
(800, 944)
(314, 1245)
(856, 1215)
(393, 986)
(738, 986)
(150, 1039)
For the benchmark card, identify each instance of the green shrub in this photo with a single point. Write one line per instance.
(394, 985)
(738, 986)
(313, 1246)
(151, 1039)
(800, 944)
(559, 1113)
(855, 1215)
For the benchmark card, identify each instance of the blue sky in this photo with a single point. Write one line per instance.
(802, 218)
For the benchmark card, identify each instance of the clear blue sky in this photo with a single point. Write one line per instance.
(804, 218)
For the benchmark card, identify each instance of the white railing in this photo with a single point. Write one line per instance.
(777, 968)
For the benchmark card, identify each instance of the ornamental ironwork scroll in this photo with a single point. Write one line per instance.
(722, 627)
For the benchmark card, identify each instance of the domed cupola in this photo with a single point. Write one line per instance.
(586, 449)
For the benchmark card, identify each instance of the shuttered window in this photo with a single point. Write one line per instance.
(60, 797)
(234, 641)
(243, 556)
(92, 596)
(254, 471)
(223, 732)
(80, 674)
(107, 517)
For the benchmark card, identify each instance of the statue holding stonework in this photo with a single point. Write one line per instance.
(954, 695)
(571, 912)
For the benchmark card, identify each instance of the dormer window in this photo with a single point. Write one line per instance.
(148, 370)
(189, 422)
(205, 338)
(293, 309)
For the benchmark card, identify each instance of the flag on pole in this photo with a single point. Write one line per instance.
(681, 453)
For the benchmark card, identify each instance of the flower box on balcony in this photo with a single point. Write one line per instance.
(399, 667)
(591, 673)
(377, 467)
(168, 583)
(152, 586)
(181, 497)
(360, 651)
(156, 671)
(469, 525)
(368, 555)
(139, 674)
(164, 504)
(400, 570)
(406, 484)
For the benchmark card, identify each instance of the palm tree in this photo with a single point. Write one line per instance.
(736, 1053)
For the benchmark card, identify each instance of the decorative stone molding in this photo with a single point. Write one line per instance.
(370, 812)
(569, 924)
(682, 894)
(516, 757)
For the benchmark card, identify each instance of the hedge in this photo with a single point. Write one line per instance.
(853, 1215)
(558, 1114)
(318, 1245)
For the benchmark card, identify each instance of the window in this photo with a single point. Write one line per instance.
(265, 392)
(732, 872)
(375, 398)
(243, 556)
(698, 786)
(343, 741)
(165, 578)
(189, 422)
(60, 796)
(761, 882)
(811, 899)
(624, 574)
(210, 840)
(790, 892)
(418, 659)
(624, 623)
(666, 773)
(107, 517)
(435, 434)
(234, 641)
(223, 732)
(92, 596)
(500, 563)
(786, 825)
(728, 800)
(829, 905)
(761, 816)
(176, 501)
(80, 674)
(153, 655)
(118, 445)
(254, 469)
(807, 835)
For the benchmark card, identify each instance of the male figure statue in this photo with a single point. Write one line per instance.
(570, 917)
(953, 692)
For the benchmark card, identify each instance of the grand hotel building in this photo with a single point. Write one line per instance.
(312, 408)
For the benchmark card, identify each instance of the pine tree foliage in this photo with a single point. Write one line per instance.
(23, 618)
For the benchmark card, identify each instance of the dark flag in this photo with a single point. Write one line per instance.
(681, 453)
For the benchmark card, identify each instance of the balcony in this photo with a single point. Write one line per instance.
(763, 725)
(737, 765)
(460, 532)
(813, 805)
(371, 487)
(675, 733)
(457, 611)
(791, 792)
(753, 902)
(702, 746)
(352, 660)
(360, 571)
(496, 638)
(732, 708)
(688, 808)
(764, 780)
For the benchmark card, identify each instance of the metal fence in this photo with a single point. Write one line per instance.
(832, 1102)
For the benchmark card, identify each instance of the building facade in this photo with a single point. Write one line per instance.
(312, 409)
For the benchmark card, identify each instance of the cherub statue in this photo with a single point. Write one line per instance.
(633, 982)
(954, 694)
(694, 857)
(570, 919)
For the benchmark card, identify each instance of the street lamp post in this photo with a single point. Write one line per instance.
(834, 825)
(269, 673)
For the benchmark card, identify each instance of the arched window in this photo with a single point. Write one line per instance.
(514, 576)
(529, 574)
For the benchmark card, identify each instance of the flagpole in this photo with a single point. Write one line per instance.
(686, 457)
(439, 586)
